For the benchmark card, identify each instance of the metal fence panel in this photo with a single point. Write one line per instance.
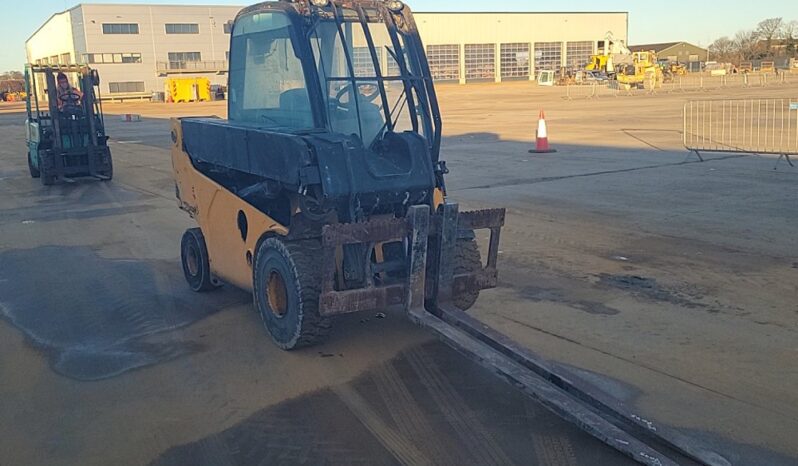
(757, 126)
(689, 83)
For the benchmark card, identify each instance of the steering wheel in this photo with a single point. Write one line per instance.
(70, 98)
(362, 89)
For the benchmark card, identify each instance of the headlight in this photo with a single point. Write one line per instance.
(396, 6)
(319, 3)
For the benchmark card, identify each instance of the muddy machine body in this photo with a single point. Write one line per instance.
(324, 193)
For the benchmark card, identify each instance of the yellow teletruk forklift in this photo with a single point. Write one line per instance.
(323, 194)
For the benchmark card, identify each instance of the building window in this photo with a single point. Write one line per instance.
(182, 28)
(393, 66)
(515, 60)
(179, 60)
(228, 27)
(110, 58)
(444, 62)
(577, 54)
(54, 60)
(123, 28)
(362, 62)
(66, 58)
(480, 61)
(548, 55)
(125, 87)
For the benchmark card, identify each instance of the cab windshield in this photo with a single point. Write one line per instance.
(365, 76)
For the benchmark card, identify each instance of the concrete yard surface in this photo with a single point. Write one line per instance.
(670, 283)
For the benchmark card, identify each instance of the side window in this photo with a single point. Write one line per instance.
(267, 83)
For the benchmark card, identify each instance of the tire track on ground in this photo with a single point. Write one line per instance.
(399, 446)
(550, 450)
(481, 446)
(408, 417)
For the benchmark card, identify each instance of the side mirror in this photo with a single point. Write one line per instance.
(95, 77)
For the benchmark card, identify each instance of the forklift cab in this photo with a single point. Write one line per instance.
(349, 74)
(65, 131)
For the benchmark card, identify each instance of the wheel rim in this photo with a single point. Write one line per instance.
(277, 294)
(192, 260)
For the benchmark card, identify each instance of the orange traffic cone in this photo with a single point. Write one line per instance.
(542, 144)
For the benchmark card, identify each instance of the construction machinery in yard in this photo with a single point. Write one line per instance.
(324, 193)
(643, 71)
(613, 55)
(12, 90)
(65, 133)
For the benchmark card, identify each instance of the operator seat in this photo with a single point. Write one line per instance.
(295, 108)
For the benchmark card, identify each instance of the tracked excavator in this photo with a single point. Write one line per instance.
(323, 193)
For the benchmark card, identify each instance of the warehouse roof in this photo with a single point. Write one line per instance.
(660, 46)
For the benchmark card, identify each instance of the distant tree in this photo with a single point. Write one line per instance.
(769, 29)
(723, 50)
(790, 35)
(746, 45)
(11, 75)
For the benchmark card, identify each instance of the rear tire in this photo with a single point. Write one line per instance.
(34, 172)
(287, 280)
(196, 263)
(109, 172)
(467, 260)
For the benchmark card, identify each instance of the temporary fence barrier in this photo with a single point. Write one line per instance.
(689, 83)
(755, 126)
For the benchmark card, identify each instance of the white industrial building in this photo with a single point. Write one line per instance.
(136, 47)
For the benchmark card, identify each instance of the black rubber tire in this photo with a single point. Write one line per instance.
(46, 178)
(34, 172)
(467, 259)
(298, 324)
(108, 173)
(196, 263)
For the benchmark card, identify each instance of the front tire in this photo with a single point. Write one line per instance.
(34, 172)
(46, 178)
(467, 260)
(286, 284)
(196, 262)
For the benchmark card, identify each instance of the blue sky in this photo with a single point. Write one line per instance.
(699, 22)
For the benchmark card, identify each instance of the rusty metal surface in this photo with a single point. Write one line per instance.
(419, 221)
(366, 299)
(482, 219)
(417, 225)
(375, 231)
(447, 243)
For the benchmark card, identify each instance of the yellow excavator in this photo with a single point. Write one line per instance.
(614, 54)
(644, 71)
